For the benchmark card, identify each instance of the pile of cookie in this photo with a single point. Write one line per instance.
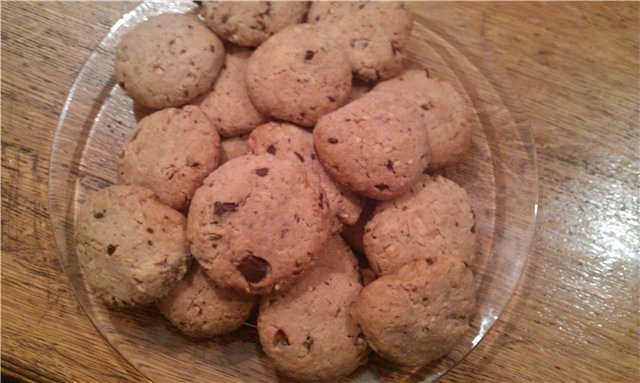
(264, 152)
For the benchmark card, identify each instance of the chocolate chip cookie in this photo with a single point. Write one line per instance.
(375, 145)
(168, 60)
(227, 104)
(201, 309)
(418, 313)
(309, 331)
(233, 147)
(374, 34)
(132, 248)
(291, 142)
(257, 224)
(249, 23)
(433, 218)
(170, 152)
(447, 115)
(298, 75)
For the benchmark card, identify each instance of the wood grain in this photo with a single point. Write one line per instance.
(575, 315)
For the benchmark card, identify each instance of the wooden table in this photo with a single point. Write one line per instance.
(575, 315)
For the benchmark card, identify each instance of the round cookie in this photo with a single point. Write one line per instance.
(433, 218)
(200, 309)
(293, 143)
(168, 60)
(227, 104)
(375, 145)
(309, 331)
(448, 115)
(419, 312)
(132, 249)
(257, 224)
(249, 23)
(233, 147)
(374, 34)
(298, 75)
(170, 152)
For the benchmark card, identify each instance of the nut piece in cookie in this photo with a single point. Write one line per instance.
(132, 248)
(298, 75)
(375, 145)
(168, 60)
(433, 218)
(310, 331)
(170, 152)
(200, 309)
(257, 224)
(419, 312)
(249, 23)
(374, 34)
(446, 115)
(293, 143)
(233, 147)
(227, 104)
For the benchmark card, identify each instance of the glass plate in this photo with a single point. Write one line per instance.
(499, 175)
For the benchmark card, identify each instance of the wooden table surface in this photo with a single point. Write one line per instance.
(575, 314)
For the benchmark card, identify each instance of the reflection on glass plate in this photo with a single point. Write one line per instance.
(499, 175)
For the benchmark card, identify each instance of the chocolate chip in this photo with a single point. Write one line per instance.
(302, 114)
(390, 165)
(361, 6)
(271, 149)
(212, 48)
(122, 85)
(194, 164)
(99, 215)
(317, 18)
(171, 42)
(332, 140)
(308, 342)
(183, 51)
(321, 201)
(190, 26)
(473, 228)
(332, 99)
(309, 55)
(150, 242)
(430, 261)
(280, 339)
(221, 208)
(253, 268)
(426, 70)
(313, 156)
(382, 187)
(262, 172)
(111, 249)
(427, 106)
(149, 230)
(299, 156)
(214, 237)
(296, 218)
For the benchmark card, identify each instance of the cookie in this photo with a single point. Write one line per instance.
(257, 224)
(293, 143)
(233, 147)
(376, 145)
(200, 309)
(249, 23)
(374, 34)
(227, 104)
(418, 313)
(132, 248)
(170, 152)
(168, 60)
(298, 75)
(353, 233)
(448, 115)
(433, 218)
(309, 331)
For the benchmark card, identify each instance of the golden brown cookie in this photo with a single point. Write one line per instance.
(132, 249)
(168, 60)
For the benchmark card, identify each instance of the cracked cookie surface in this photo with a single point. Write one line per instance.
(170, 152)
(310, 331)
(418, 313)
(132, 248)
(298, 75)
(257, 223)
(201, 309)
(168, 60)
(433, 218)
